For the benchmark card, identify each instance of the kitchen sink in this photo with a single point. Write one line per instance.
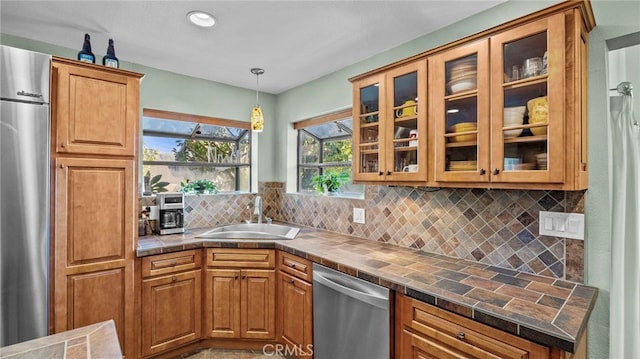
(252, 231)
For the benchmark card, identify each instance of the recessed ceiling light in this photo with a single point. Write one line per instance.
(201, 18)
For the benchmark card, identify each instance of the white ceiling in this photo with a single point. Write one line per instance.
(294, 41)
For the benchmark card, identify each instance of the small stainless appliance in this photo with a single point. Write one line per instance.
(171, 212)
(24, 194)
(350, 317)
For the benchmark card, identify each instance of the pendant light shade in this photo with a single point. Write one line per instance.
(257, 119)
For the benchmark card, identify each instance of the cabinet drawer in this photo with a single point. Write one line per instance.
(171, 263)
(294, 265)
(241, 258)
(454, 334)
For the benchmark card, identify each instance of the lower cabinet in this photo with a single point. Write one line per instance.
(240, 301)
(425, 331)
(171, 301)
(295, 305)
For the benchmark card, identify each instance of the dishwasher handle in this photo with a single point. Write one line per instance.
(369, 298)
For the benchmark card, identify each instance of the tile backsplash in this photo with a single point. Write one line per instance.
(497, 227)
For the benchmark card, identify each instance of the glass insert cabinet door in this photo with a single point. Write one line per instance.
(460, 92)
(405, 121)
(368, 160)
(527, 103)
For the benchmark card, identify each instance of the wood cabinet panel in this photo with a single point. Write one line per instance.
(222, 303)
(93, 209)
(258, 300)
(172, 311)
(95, 297)
(295, 312)
(96, 110)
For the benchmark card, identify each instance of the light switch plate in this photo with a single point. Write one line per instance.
(358, 215)
(559, 224)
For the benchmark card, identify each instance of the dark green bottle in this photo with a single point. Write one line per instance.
(85, 54)
(110, 59)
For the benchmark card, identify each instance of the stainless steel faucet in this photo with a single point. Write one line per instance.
(257, 209)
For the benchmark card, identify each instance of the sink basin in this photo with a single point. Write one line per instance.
(252, 231)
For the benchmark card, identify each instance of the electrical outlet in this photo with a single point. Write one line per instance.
(358, 215)
(559, 224)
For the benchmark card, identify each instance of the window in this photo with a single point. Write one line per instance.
(181, 147)
(325, 145)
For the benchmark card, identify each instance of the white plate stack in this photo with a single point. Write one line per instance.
(463, 75)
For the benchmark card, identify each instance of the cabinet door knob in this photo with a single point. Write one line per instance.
(174, 278)
(236, 277)
(496, 171)
(388, 173)
(244, 277)
(61, 166)
(293, 265)
(292, 281)
(460, 335)
(380, 173)
(482, 171)
(62, 145)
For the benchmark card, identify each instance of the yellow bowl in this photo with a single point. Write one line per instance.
(464, 127)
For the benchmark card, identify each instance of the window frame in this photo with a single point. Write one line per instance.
(199, 119)
(300, 127)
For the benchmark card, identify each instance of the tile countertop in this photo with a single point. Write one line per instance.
(98, 340)
(544, 310)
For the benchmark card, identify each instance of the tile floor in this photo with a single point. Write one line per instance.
(229, 354)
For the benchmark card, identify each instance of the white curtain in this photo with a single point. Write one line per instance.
(625, 232)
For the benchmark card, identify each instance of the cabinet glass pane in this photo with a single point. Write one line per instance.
(525, 125)
(461, 75)
(461, 135)
(369, 104)
(369, 129)
(405, 129)
(525, 58)
(369, 147)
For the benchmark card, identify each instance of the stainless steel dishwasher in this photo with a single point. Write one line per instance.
(350, 317)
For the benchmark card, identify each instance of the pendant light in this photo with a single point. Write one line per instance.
(257, 119)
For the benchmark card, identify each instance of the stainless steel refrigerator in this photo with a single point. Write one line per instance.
(24, 194)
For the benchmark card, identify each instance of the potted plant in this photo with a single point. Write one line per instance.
(199, 186)
(329, 182)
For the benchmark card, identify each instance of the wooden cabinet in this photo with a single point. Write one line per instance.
(506, 108)
(425, 331)
(240, 293)
(171, 301)
(97, 110)
(500, 143)
(390, 125)
(94, 199)
(295, 304)
(459, 91)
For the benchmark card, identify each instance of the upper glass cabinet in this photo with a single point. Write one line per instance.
(390, 134)
(528, 103)
(460, 92)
